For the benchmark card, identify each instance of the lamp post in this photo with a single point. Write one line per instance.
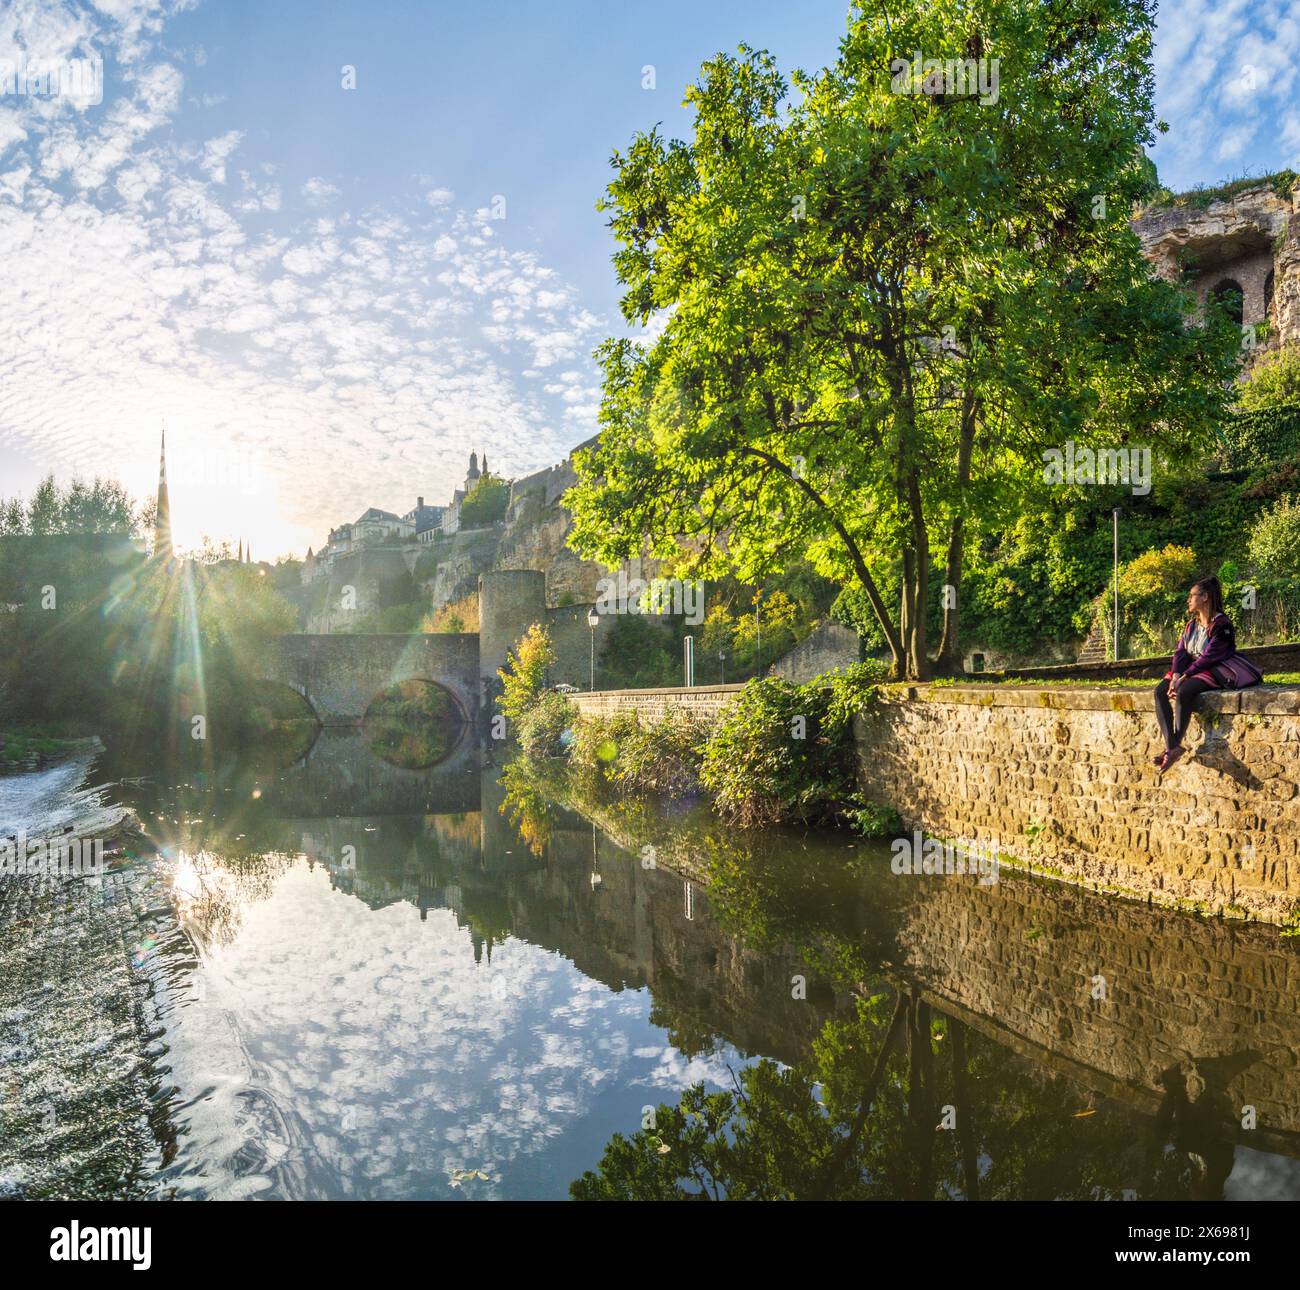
(592, 619)
(1115, 544)
(722, 660)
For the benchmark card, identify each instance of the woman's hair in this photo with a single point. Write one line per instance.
(1211, 588)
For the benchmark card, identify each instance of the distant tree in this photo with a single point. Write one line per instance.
(486, 503)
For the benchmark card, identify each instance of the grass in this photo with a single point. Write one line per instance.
(1117, 683)
(1202, 197)
(21, 742)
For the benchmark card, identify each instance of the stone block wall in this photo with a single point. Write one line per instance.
(704, 701)
(1061, 781)
(830, 646)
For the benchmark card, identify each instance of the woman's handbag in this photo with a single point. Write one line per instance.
(1236, 673)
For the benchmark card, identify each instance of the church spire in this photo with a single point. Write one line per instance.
(162, 525)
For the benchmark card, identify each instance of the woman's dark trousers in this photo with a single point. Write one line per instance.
(1174, 717)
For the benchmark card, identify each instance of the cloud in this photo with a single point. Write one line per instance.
(318, 192)
(1225, 72)
(363, 354)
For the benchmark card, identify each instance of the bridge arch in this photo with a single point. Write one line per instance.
(341, 675)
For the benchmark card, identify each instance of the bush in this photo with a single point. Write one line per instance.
(524, 674)
(1265, 434)
(659, 758)
(543, 728)
(1153, 595)
(1275, 541)
(783, 753)
(1273, 380)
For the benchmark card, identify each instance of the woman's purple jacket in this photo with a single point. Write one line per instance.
(1219, 663)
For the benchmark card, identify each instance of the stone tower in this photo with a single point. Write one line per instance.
(509, 602)
(162, 528)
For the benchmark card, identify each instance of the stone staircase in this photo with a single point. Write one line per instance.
(1094, 648)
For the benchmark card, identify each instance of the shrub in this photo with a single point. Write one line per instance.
(1273, 380)
(1275, 540)
(524, 674)
(659, 758)
(1153, 593)
(544, 725)
(662, 757)
(783, 753)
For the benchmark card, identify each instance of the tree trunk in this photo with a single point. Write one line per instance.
(949, 655)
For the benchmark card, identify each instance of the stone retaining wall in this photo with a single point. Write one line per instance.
(704, 701)
(1061, 781)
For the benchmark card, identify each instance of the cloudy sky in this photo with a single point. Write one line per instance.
(332, 294)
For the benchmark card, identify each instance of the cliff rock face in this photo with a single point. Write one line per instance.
(1248, 242)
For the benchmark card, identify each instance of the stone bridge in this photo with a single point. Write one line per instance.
(341, 675)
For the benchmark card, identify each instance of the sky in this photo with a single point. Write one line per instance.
(330, 293)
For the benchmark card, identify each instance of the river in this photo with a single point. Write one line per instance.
(340, 978)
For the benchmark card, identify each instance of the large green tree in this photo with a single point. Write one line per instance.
(883, 301)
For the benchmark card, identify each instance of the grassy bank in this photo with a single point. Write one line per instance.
(779, 754)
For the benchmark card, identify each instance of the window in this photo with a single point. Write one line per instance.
(1229, 294)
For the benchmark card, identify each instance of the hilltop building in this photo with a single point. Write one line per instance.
(451, 516)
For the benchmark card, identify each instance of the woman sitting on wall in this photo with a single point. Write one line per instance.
(1206, 659)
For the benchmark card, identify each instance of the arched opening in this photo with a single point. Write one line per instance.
(1229, 296)
(414, 724)
(279, 726)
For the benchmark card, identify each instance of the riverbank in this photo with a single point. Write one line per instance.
(1056, 777)
(35, 747)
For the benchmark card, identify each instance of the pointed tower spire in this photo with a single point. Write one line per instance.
(239, 558)
(162, 527)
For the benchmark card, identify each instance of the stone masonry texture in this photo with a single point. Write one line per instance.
(1061, 781)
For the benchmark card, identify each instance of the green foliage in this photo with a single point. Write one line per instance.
(543, 728)
(524, 674)
(400, 618)
(1273, 381)
(659, 758)
(1275, 541)
(722, 1145)
(1267, 434)
(640, 652)
(486, 503)
(781, 753)
(812, 253)
(1203, 196)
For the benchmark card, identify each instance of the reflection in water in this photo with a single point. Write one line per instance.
(451, 983)
(414, 725)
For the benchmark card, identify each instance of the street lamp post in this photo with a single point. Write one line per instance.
(1115, 544)
(722, 659)
(592, 619)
